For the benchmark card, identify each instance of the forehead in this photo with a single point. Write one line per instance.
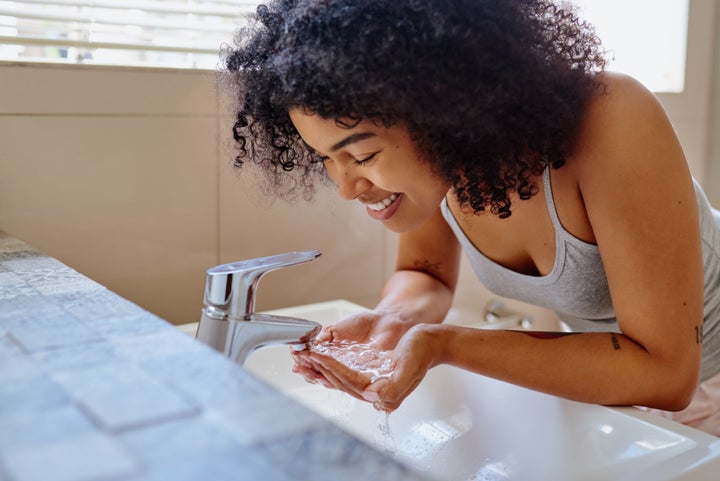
(329, 134)
(304, 120)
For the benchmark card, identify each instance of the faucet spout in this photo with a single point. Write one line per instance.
(228, 322)
(230, 288)
(246, 335)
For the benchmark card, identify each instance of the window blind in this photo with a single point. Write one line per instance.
(165, 33)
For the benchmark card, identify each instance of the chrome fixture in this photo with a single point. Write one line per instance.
(498, 316)
(228, 322)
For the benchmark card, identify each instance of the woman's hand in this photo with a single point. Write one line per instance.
(417, 351)
(380, 329)
(420, 349)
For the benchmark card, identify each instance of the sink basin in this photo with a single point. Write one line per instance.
(459, 426)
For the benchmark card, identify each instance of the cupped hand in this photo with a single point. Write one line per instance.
(380, 329)
(419, 350)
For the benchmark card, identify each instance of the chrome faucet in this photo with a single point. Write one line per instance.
(228, 322)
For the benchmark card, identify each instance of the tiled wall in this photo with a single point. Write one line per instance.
(124, 174)
(113, 172)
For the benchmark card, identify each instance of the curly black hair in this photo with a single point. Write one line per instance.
(493, 91)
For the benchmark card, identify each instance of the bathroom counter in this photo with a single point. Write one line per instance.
(92, 387)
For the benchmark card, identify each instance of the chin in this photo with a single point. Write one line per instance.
(399, 227)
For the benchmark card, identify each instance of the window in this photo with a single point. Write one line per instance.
(167, 33)
(646, 38)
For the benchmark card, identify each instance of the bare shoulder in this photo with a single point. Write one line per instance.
(623, 102)
(626, 130)
(622, 92)
(619, 85)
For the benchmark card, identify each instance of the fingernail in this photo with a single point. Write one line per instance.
(371, 396)
(371, 392)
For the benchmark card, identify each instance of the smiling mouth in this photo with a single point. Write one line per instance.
(383, 204)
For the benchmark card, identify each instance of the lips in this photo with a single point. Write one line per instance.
(385, 208)
(378, 206)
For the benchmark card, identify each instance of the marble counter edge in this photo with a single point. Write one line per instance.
(94, 387)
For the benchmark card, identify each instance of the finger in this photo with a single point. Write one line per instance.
(352, 381)
(304, 371)
(310, 364)
(302, 365)
(317, 378)
(329, 369)
(327, 334)
(306, 368)
(334, 383)
(321, 379)
(390, 391)
(313, 376)
(392, 404)
(373, 395)
(301, 361)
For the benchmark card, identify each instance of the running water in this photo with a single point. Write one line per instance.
(364, 358)
(383, 434)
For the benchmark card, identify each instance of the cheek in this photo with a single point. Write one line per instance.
(426, 185)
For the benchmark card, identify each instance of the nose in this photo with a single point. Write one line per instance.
(350, 184)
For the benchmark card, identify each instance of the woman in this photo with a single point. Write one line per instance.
(492, 127)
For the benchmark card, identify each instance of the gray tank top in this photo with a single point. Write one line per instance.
(576, 288)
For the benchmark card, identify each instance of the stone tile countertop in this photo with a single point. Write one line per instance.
(92, 387)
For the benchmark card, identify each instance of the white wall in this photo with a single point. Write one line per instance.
(691, 110)
(125, 175)
(713, 183)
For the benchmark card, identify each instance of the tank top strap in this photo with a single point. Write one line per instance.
(547, 188)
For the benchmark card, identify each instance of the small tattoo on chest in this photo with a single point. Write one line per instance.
(616, 344)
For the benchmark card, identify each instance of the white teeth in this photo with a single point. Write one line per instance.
(383, 203)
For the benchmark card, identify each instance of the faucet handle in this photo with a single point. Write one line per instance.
(230, 288)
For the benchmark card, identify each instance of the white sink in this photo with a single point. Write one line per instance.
(458, 426)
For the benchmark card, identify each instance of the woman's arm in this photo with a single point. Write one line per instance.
(419, 292)
(428, 261)
(641, 202)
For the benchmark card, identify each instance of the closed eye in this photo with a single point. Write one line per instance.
(366, 159)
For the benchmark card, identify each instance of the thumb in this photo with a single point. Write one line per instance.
(373, 392)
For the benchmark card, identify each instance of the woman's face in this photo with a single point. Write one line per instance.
(377, 166)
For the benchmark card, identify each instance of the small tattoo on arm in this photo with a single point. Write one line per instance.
(698, 336)
(428, 267)
(616, 344)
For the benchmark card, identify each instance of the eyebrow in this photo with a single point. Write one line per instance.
(351, 139)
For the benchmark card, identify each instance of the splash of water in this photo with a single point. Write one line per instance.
(366, 359)
(383, 435)
(361, 357)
